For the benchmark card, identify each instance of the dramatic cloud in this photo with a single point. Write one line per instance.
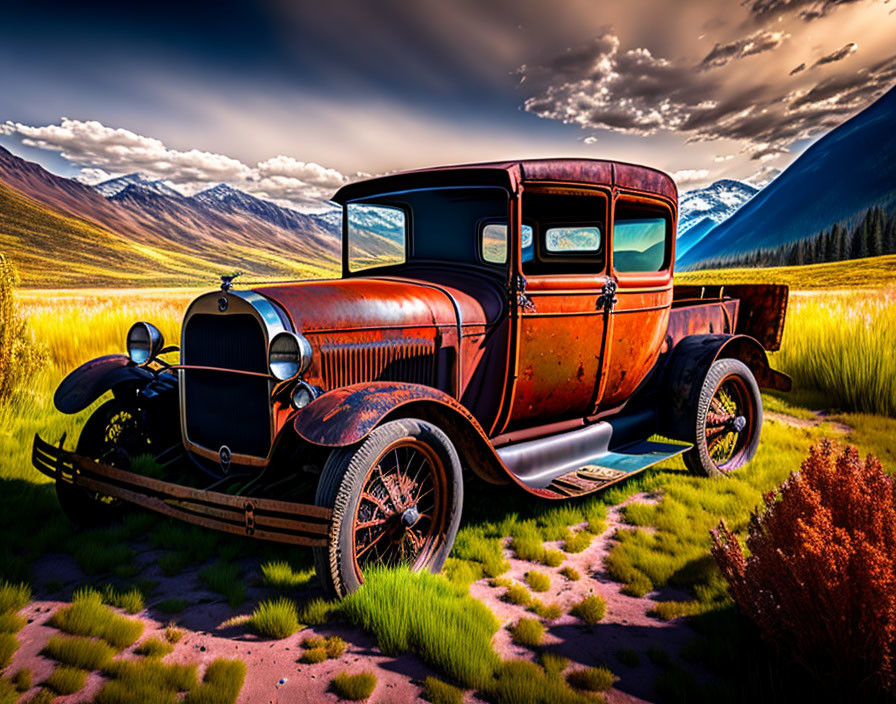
(838, 55)
(688, 177)
(603, 86)
(801, 67)
(105, 152)
(756, 43)
(808, 9)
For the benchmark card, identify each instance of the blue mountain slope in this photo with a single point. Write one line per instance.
(693, 236)
(844, 173)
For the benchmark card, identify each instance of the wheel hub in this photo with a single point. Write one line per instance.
(739, 423)
(410, 516)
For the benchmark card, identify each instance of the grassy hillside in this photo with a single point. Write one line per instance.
(52, 249)
(870, 273)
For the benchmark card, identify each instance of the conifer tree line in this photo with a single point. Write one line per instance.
(873, 236)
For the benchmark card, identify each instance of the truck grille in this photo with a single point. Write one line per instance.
(400, 360)
(220, 408)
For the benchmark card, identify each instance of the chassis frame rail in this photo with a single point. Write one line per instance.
(264, 519)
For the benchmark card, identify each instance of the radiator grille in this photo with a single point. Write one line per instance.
(403, 360)
(227, 409)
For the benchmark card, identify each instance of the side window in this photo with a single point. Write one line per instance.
(639, 237)
(567, 233)
(494, 243)
(377, 235)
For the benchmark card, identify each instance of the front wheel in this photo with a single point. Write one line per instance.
(114, 434)
(396, 500)
(728, 420)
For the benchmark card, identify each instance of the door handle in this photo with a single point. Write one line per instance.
(607, 298)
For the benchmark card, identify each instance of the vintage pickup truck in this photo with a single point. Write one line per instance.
(512, 321)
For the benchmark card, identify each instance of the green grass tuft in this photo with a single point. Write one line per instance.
(95, 555)
(14, 597)
(275, 618)
(591, 609)
(22, 680)
(173, 635)
(78, 651)
(9, 644)
(579, 542)
(172, 606)
(221, 684)
(571, 573)
(528, 632)
(628, 657)
(130, 601)
(439, 692)
(147, 680)
(354, 687)
(88, 616)
(11, 622)
(594, 679)
(66, 680)
(523, 682)
(453, 633)
(553, 664)
(173, 563)
(224, 578)
(154, 648)
(538, 581)
(312, 656)
(549, 612)
(317, 612)
(553, 558)
(281, 576)
(518, 594)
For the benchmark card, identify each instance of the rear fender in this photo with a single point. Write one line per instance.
(687, 368)
(347, 415)
(94, 378)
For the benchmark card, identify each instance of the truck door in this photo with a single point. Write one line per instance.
(560, 331)
(641, 251)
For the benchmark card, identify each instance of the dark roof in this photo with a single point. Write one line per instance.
(505, 173)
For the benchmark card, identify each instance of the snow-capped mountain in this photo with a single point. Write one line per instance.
(114, 186)
(718, 202)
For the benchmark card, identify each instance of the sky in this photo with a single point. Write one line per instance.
(288, 100)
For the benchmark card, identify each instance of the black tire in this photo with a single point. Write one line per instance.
(728, 420)
(426, 526)
(113, 434)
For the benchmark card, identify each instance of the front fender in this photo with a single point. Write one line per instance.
(94, 378)
(346, 415)
(687, 368)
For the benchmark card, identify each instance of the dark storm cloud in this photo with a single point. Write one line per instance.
(756, 43)
(837, 55)
(808, 9)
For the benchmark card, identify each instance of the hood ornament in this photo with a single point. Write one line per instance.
(227, 280)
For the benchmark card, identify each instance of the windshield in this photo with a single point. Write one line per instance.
(441, 224)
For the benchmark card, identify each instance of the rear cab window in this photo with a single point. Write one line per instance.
(641, 237)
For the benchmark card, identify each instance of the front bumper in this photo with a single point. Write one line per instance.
(265, 519)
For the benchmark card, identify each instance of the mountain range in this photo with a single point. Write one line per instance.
(836, 180)
(701, 209)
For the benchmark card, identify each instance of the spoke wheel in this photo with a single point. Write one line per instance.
(396, 501)
(112, 435)
(728, 420)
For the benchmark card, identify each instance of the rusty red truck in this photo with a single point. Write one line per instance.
(515, 322)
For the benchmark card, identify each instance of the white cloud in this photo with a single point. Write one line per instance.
(688, 177)
(104, 151)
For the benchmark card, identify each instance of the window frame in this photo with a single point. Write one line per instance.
(661, 276)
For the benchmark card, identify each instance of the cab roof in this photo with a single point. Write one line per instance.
(508, 173)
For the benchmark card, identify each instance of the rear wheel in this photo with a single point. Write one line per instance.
(113, 435)
(728, 420)
(396, 500)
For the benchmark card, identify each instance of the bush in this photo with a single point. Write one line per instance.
(594, 679)
(277, 618)
(821, 576)
(439, 692)
(591, 609)
(528, 632)
(20, 359)
(354, 687)
(538, 581)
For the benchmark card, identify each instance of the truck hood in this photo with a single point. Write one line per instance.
(382, 302)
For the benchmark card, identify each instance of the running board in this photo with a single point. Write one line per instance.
(586, 459)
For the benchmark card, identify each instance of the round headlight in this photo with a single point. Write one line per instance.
(303, 394)
(289, 355)
(144, 342)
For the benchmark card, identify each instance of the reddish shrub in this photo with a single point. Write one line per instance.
(821, 576)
